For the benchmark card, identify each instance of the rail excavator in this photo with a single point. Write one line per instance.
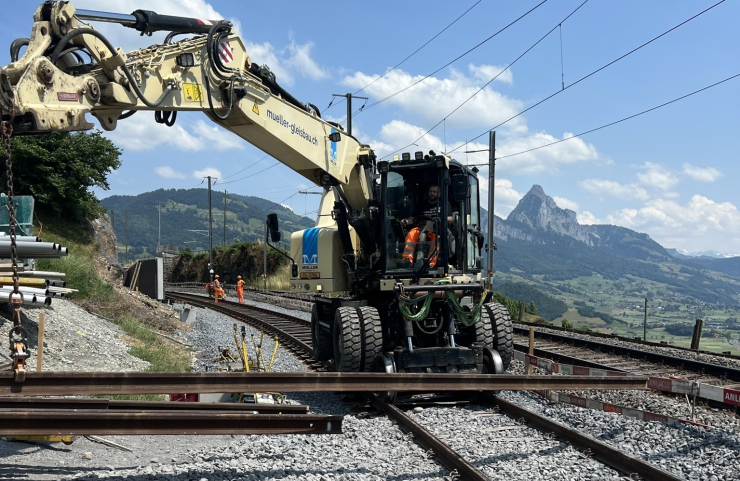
(386, 301)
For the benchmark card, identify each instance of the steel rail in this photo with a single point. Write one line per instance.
(605, 453)
(83, 422)
(31, 403)
(683, 363)
(298, 339)
(564, 358)
(107, 383)
(448, 457)
(631, 340)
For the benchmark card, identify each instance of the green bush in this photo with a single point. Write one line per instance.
(81, 275)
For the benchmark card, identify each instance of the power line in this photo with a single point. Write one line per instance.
(247, 167)
(250, 175)
(615, 122)
(412, 54)
(492, 79)
(592, 73)
(454, 60)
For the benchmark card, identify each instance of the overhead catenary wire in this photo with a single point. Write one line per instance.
(591, 74)
(409, 56)
(491, 80)
(611, 123)
(452, 61)
(250, 175)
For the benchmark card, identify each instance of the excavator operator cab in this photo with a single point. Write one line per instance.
(430, 222)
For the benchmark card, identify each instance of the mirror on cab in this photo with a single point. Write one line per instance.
(272, 226)
(459, 187)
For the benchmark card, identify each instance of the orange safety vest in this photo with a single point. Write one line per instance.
(412, 238)
(240, 284)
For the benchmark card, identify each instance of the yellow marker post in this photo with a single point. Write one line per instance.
(40, 348)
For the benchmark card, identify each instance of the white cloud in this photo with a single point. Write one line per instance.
(505, 199)
(614, 189)
(587, 218)
(300, 60)
(542, 160)
(485, 73)
(287, 207)
(435, 98)
(141, 132)
(702, 174)
(564, 203)
(657, 177)
(212, 171)
(169, 173)
(701, 224)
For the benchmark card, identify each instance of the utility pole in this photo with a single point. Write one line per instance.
(210, 232)
(491, 181)
(125, 225)
(224, 217)
(349, 97)
(159, 229)
(644, 325)
(264, 274)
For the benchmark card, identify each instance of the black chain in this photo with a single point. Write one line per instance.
(18, 345)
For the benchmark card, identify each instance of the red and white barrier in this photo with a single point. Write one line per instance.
(670, 384)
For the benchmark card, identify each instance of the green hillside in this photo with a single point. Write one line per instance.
(185, 211)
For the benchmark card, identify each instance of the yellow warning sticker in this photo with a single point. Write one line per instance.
(256, 109)
(193, 92)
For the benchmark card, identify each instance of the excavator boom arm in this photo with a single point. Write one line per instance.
(51, 88)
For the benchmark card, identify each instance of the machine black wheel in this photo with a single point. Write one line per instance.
(320, 338)
(495, 330)
(372, 337)
(347, 340)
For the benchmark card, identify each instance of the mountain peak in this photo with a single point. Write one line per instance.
(538, 192)
(539, 211)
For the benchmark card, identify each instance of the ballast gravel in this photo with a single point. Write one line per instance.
(372, 447)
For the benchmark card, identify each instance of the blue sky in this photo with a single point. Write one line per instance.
(670, 173)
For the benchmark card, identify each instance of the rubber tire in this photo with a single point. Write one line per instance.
(320, 338)
(495, 330)
(372, 337)
(347, 337)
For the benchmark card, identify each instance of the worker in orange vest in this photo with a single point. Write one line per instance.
(217, 288)
(424, 215)
(240, 289)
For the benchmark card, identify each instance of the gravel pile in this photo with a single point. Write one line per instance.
(74, 339)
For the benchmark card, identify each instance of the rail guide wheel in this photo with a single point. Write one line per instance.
(387, 365)
(320, 337)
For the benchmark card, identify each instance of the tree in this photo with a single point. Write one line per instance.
(59, 168)
(531, 308)
(566, 324)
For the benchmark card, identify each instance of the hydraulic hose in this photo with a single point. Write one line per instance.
(207, 83)
(16, 46)
(134, 85)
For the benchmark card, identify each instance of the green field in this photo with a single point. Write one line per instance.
(625, 299)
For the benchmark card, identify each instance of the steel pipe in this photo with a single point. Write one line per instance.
(70, 383)
(43, 275)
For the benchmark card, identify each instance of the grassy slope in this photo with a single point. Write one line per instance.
(102, 299)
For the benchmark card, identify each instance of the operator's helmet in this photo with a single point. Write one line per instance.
(238, 277)
(216, 276)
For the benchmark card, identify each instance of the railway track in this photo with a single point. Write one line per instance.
(297, 335)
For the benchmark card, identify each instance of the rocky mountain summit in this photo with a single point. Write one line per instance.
(540, 240)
